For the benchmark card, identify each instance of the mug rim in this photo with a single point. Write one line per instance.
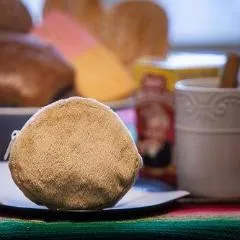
(209, 84)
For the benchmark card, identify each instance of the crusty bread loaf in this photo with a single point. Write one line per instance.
(32, 72)
(88, 12)
(136, 28)
(14, 16)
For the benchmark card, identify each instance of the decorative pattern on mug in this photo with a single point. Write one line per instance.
(205, 107)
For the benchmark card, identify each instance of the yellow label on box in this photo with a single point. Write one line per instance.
(172, 74)
(142, 70)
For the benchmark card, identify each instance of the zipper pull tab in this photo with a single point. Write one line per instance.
(13, 137)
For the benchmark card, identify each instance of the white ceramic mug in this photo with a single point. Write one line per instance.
(208, 138)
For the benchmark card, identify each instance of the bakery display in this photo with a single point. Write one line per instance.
(99, 72)
(14, 17)
(32, 72)
(136, 28)
(74, 154)
(130, 28)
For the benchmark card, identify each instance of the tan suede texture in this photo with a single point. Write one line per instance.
(74, 154)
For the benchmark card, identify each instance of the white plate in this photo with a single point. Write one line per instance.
(144, 194)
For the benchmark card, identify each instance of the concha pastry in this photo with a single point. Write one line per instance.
(88, 12)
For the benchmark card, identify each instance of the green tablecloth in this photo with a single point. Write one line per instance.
(184, 221)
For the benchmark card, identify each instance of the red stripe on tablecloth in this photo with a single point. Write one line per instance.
(207, 210)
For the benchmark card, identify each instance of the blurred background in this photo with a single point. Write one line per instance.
(214, 24)
(126, 54)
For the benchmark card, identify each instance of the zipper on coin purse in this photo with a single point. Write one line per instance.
(13, 138)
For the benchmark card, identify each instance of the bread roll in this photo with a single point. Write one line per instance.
(74, 154)
(14, 17)
(32, 72)
(136, 28)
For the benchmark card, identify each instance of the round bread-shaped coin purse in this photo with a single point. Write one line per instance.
(74, 154)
